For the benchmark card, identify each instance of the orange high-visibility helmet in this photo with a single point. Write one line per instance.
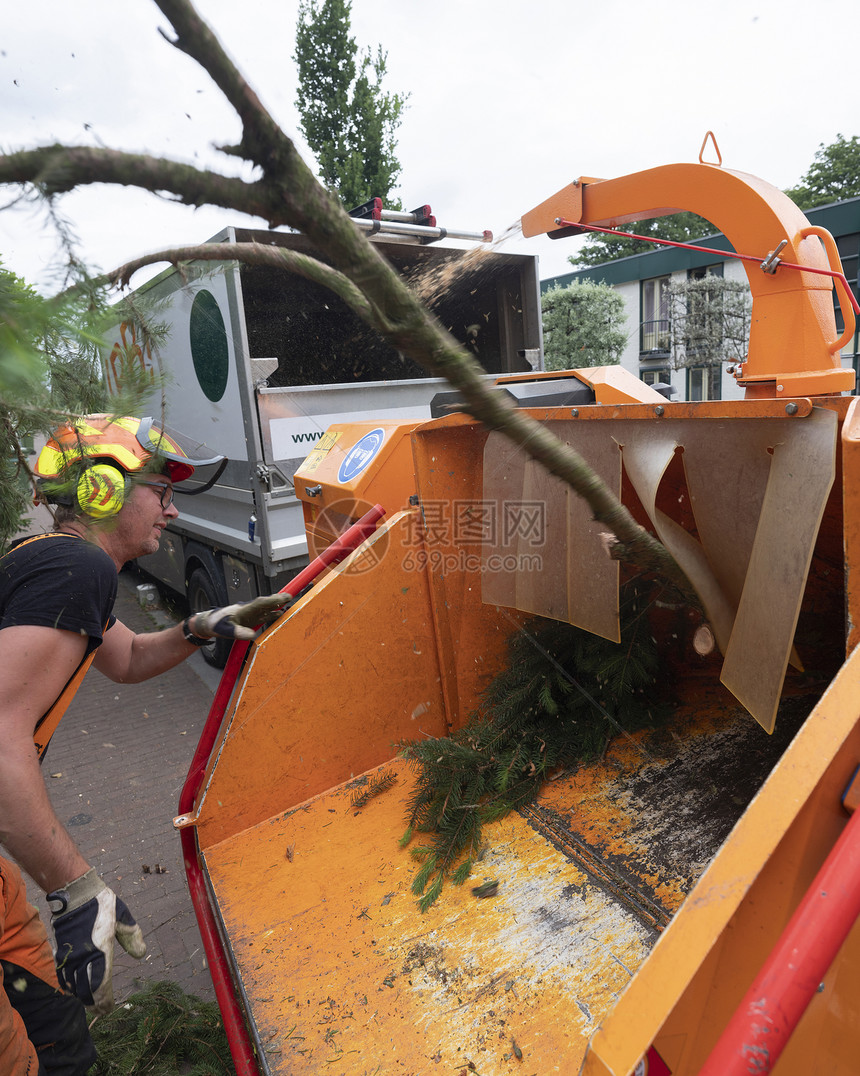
(91, 462)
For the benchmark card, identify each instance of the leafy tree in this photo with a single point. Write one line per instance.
(347, 118)
(833, 175)
(680, 227)
(709, 323)
(583, 325)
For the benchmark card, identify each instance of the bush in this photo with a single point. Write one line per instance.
(583, 325)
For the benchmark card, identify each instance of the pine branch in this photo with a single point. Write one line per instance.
(159, 1032)
(286, 192)
(378, 783)
(563, 695)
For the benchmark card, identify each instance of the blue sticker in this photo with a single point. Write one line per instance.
(360, 455)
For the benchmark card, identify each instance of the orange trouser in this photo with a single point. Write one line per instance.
(42, 1030)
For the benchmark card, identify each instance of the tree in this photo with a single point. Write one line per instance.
(347, 118)
(582, 326)
(49, 368)
(709, 322)
(680, 227)
(834, 174)
(285, 192)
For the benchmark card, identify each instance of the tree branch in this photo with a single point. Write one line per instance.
(57, 169)
(261, 135)
(288, 193)
(256, 254)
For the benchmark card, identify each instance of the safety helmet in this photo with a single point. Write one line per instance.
(90, 462)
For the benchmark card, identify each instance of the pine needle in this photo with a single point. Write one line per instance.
(377, 783)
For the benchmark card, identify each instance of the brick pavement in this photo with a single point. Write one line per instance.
(114, 771)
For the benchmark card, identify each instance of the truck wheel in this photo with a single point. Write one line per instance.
(202, 594)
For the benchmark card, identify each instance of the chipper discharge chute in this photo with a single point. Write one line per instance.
(613, 922)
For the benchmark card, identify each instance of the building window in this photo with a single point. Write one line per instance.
(658, 375)
(705, 270)
(654, 333)
(703, 382)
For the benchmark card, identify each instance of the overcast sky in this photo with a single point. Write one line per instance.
(509, 101)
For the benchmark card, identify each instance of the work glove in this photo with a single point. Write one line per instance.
(244, 621)
(86, 917)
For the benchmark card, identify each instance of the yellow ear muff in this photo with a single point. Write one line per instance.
(101, 490)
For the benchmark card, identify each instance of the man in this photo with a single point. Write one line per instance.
(112, 482)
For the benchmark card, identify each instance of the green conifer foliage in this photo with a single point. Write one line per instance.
(162, 1031)
(563, 694)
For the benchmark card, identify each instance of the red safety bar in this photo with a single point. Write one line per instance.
(241, 1046)
(764, 1021)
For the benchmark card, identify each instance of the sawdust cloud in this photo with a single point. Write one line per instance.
(431, 284)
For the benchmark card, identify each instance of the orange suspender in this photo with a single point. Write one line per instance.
(47, 725)
(46, 728)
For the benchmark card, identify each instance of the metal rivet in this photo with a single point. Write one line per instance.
(791, 408)
(658, 410)
(780, 388)
(574, 412)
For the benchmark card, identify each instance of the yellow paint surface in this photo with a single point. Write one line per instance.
(343, 973)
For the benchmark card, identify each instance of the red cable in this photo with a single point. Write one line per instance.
(834, 273)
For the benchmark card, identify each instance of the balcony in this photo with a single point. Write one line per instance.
(654, 338)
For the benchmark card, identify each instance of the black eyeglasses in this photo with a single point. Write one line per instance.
(166, 494)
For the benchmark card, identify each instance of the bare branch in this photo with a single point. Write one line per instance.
(261, 134)
(256, 254)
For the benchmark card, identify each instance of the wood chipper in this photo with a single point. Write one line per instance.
(684, 900)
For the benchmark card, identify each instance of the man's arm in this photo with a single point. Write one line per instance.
(35, 664)
(127, 658)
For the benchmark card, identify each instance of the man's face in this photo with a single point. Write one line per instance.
(147, 511)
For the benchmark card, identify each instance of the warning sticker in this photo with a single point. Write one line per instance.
(320, 450)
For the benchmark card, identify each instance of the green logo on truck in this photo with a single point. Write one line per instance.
(209, 345)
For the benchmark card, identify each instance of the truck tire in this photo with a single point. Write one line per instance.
(203, 594)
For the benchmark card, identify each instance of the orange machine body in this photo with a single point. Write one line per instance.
(639, 894)
(352, 467)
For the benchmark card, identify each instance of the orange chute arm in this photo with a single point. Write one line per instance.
(794, 345)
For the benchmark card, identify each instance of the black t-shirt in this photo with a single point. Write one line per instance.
(59, 581)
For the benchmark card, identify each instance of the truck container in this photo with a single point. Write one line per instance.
(258, 362)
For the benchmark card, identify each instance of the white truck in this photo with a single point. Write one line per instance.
(258, 362)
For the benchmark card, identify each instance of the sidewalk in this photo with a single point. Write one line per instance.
(114, 771)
